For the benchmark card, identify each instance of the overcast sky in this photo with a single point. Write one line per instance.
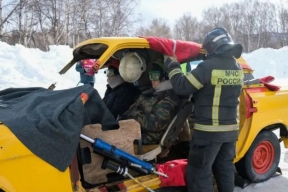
(173, 9)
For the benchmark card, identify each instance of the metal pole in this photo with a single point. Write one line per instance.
(87, 138)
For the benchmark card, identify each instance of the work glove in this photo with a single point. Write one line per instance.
(87, 70)
(170, 62)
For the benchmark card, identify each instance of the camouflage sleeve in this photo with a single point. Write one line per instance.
(186, 84)
(133, 110)
(136, 104)
(158, 118)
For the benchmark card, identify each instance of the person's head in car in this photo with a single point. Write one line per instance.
(112, 73)
(113, 69)
(156, 75)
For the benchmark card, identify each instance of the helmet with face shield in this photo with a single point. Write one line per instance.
(218, 41)
(113, 68)
(131, 67)
(156, 73)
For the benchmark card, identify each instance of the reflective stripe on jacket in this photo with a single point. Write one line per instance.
(216, 85)
(184, 67)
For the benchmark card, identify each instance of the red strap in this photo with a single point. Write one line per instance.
(103, 189)
(266, 80)
(122, 187)
(272, 87)
(176, 170)
(74, 170)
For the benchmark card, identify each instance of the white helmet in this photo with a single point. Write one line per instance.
(131, 67)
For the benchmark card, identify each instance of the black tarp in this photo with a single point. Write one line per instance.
(49, 122)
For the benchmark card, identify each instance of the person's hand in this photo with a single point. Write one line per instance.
(172, 58)
(170, 61)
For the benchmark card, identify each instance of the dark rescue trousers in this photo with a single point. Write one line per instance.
(206, 155)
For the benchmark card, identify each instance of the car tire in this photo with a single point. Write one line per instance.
(261, 160)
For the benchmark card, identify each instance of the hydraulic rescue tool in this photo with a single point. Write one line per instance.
(120, 156)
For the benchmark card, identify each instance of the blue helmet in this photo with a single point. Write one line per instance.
(219, 41)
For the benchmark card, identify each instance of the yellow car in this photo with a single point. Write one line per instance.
(261, 111)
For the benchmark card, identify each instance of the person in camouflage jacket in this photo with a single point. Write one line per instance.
(155, 108)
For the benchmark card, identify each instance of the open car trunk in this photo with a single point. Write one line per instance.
(184, 50)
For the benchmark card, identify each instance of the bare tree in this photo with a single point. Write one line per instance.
(235, 16)
(252, 26)
(281, 23)
(112, 17)
(1, 20)
(211, 17)
(187, 28)
(158, 27)
(40, 23)
(264, 23)
(7, 12)
(23, 22)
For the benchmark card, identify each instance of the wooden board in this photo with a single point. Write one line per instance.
(122, 138)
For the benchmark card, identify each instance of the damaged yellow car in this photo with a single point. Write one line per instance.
(116, 160)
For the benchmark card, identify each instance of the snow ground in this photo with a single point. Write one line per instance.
(23, 67)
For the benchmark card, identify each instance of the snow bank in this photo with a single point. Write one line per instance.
(267, 61)
(22, 67)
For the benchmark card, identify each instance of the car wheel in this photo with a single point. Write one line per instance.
(261, 160)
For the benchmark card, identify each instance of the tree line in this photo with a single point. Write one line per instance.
(40, 23)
